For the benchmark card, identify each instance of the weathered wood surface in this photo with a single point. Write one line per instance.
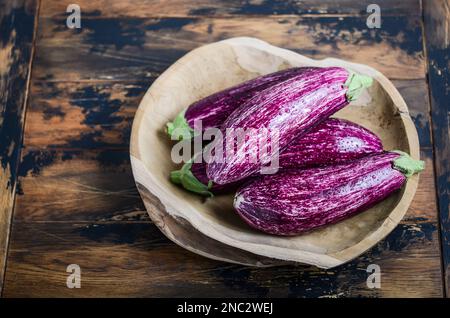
(217, 8)
(77, 202)
(17, 28)
(437, 34)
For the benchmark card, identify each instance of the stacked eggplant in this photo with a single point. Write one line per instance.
(329, 168)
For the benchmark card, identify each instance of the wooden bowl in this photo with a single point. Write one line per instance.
(212, 228)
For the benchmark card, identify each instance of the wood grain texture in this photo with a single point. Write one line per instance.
(437, 32)
(77, 202)
(134, 259)
(17, 24)
(75, 185)
(82, 115)
(202, 8)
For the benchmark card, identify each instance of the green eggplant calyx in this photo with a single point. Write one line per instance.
(179, 129)
(355, 84)
(186, 178)
(407, 165)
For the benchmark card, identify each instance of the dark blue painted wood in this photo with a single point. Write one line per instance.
(16, 35)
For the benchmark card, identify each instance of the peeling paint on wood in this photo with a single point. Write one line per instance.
(82, 115)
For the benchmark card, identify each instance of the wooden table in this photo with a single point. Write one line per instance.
(67, 101)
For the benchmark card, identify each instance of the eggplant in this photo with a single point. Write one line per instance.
(214, 109)
(333, 141)
(296, 201)
(287, 111)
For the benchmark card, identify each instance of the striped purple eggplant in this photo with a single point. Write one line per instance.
(333, 141)
(214, 109)
(288, 110)
(295, 201)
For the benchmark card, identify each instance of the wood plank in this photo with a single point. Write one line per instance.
(437, 30)
(87, 115)
(415, 94)
(139, 49)
(134, 259)
(76, 185)
(17, 22)
(82, 115)
(182, 8)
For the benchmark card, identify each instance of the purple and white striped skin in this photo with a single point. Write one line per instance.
(333, 141)
(290, 108)
(295, 201)
(214, 109)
